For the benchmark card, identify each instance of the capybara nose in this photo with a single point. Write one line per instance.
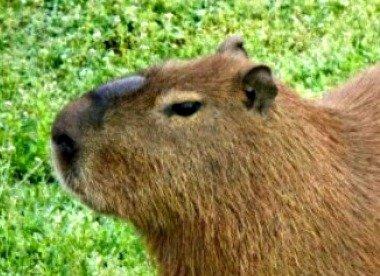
(67, 133)
(65, 146)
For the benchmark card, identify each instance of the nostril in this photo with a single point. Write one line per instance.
(65, 145)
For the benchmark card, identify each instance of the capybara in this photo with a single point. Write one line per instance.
(226, 171)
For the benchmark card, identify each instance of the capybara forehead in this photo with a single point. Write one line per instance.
(216, 76)
(220, 72)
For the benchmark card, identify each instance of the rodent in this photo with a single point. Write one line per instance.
(224, 170)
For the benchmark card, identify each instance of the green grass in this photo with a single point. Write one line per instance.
(53, 51)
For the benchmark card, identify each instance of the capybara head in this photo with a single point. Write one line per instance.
(225, 170)
(168, 142)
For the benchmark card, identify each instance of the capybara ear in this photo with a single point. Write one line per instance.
(233, 44)
(260, 88)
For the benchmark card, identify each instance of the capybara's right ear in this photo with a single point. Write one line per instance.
(260, 88)
(233, 44)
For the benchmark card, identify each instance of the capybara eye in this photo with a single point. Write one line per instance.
(183, 109)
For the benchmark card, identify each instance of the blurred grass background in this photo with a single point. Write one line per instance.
(53, 51)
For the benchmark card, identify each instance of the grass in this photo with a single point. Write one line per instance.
(52, 51)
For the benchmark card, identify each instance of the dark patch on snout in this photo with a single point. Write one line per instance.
(110, 94)
(87, 112)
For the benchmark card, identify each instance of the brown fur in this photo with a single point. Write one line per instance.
(228, 191)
